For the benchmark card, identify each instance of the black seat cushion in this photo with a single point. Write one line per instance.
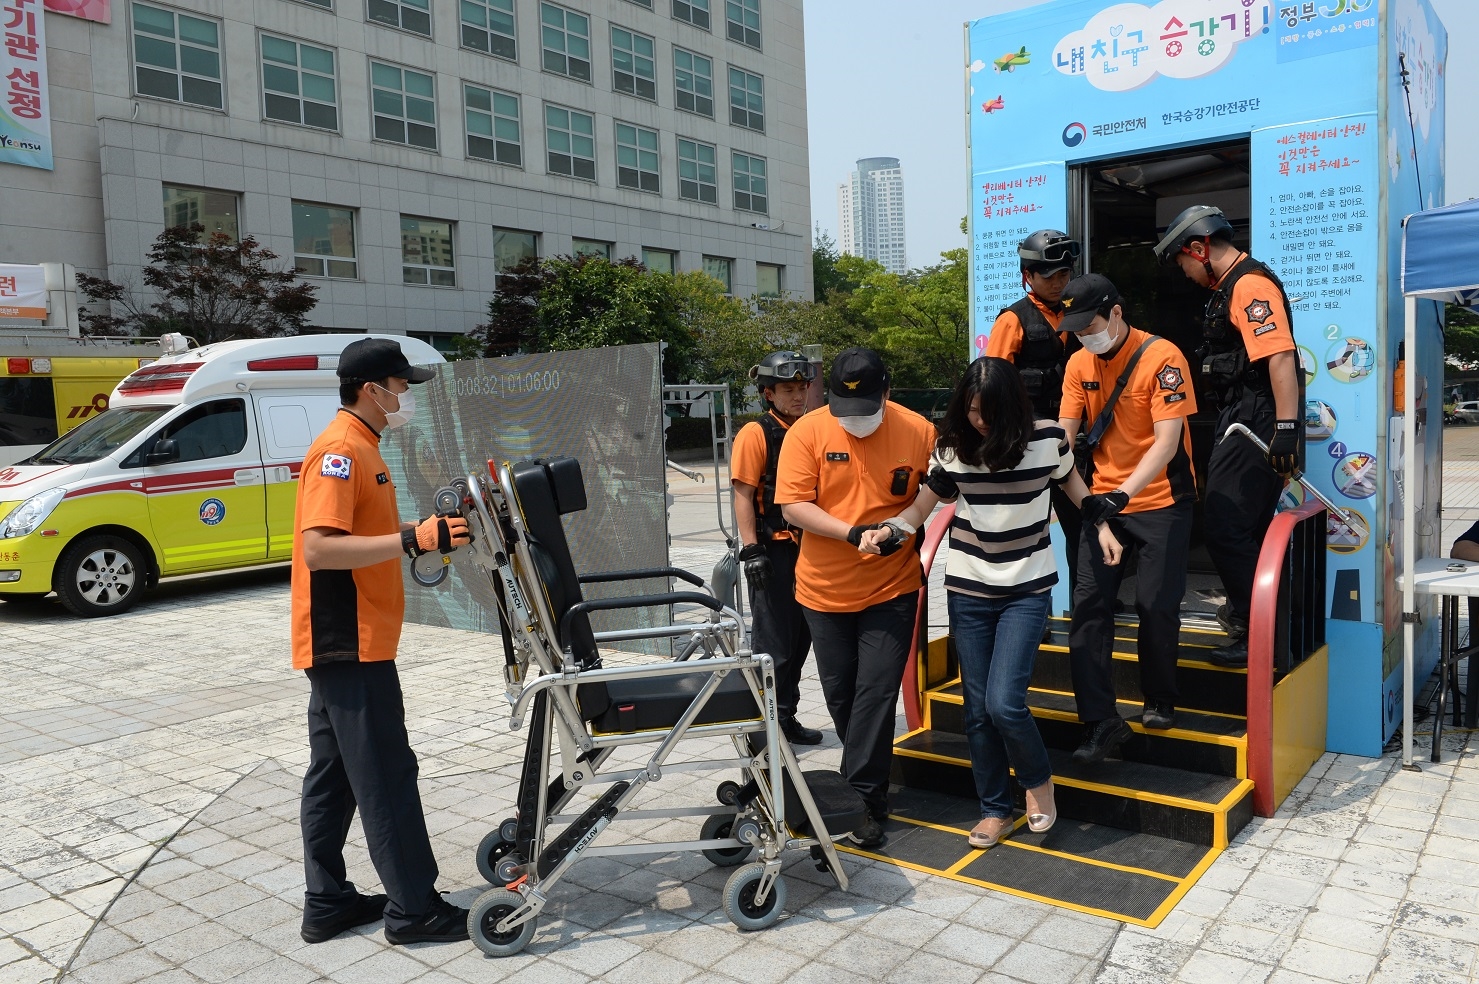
(657, 703)
(840, 805)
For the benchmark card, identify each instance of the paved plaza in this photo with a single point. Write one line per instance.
(149, 799)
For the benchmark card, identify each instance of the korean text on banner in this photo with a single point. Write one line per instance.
(25, 115)
(22, 291)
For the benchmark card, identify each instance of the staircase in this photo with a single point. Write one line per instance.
(1133, 833)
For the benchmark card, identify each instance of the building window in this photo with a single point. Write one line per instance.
(488, 26)
(408, 15)
(746, 99)
(218, 211)
(694, 77)
(511, 248)
(591, 247)
(570, 140)
(742, 21)
(426, 252)
(632, 65)
(695, 12)
(404, 105)
(767, 280)
(696, 178)
(720, 269)
(659, 260)
(298, 84)
(642, 3)
(750, 194)
(177, 56)
(326, 4)
(323, 241)
(636, 158)
(566, 37)
(493, 126)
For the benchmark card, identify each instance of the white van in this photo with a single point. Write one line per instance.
(192, 468)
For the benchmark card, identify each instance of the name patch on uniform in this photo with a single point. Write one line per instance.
(838, 456)
(1175, 397)
(1091, 384)
(1170, 378)
(1268, 327)
(381, 478)
(1259, 311)
(335, 466)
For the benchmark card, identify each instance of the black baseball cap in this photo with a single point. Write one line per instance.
(1082, 299)
(858, 383)
(379, 358)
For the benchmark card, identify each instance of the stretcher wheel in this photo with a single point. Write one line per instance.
(509, 830)
(739, 898)
(720, 825)
(482, 920)
(728, 792)
(497, 862)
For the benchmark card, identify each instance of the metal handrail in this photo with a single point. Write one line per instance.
(1269, 604)
(934, 534)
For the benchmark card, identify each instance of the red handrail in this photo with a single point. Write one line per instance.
(914, 702)
(1262, 631)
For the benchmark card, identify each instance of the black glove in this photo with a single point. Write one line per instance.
(941, 484)
(1097, 508)
(896, 538)
(1283, 450)
(855, 535)
(757, 567)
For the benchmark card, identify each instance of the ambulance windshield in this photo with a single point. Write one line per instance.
(99, 437)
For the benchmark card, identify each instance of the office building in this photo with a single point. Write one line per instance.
(405, 152)
(870, 208)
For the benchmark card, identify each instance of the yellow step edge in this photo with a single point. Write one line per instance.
(945, 698)
(1191, 664)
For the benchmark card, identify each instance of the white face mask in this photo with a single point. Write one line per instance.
(401, 416)
(1099, 342)
(861, 427)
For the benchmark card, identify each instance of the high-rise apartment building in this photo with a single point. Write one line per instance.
(870, 208)
(403, 153)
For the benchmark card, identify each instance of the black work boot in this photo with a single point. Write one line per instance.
(1234, 655)
(365, 909)
(1158, 715)
(799, 734)
(1102, 738)
(1235, 627)
(444, 923)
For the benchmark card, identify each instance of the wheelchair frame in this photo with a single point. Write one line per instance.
(528, 854)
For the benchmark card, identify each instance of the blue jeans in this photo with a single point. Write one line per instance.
(996, 640)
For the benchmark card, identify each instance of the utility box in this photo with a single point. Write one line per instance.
(1316, 127)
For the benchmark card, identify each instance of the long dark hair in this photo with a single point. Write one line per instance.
(1005, 408)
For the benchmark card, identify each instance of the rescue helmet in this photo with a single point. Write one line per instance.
(1046, 252)
(782, 367)
(1196, 222)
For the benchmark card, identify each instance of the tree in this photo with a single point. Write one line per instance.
(832, 272)
(1461, 337)
(212, 291)
(920, 320)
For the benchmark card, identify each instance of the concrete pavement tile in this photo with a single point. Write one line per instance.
(798, 932)
(883, 883)
(1449, 956)
(1384, 858)
(1223, 877)
(1396, 972)
(1220, 968)
(823, 973)
(1371, 881)
(1304, 867)
(1395, 838)
(755, 963)
(17, 921)
(1279, 888)
(1262, 913)
(1115, 974)
(1040, 964)
(162, 922)
(1085, 936)
(1255, 945)
(706, 945)
(934, 969)
(1147, 954)
(1447, 894)
(645, 967)
(228, 898)
(969, 945)
(903, 925)
(23, 894)
(1343, 931)
(281, 970)
(1299, 842)
(57, 941)
(595, 954)
(104, 942)
(1437, 921)
(859, 953)
(10, 951)
(125, 968)
(1328, 962)
(1005, 915)
(387, 966)
(232, 960)
(1179, 927)
(333, 955)
(1243, 856)
(32, 970)
(1367, 907)
(262, 914)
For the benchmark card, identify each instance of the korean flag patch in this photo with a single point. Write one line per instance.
(335, 466)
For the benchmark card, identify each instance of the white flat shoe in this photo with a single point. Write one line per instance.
(1042, 812)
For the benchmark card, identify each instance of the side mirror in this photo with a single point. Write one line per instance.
(164, 451)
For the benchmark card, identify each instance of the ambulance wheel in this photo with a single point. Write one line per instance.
(497, 862)
(491, 907)
(739, 898)
(718, 826)
(100, 575)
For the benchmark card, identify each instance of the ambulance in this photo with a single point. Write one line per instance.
(50, 385)
(193, 468)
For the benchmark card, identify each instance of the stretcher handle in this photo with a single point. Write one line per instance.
(1298, 475)
(636, 601)
(640, 573)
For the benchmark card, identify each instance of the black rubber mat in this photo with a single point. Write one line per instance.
(1073, 884)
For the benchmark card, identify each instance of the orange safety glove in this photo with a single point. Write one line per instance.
(442, 534)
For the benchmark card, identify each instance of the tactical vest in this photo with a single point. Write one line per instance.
(1225, 364)
(1042, 359)
(767, 513)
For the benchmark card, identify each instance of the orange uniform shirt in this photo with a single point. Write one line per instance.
(747, 459)
(342, 615)
(1159, 389)
(858, 481)
(1257, 309)
(1005, 340)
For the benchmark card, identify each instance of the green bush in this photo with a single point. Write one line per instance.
(689, 433)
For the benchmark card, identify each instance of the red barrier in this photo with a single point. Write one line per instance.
(1262, 633)
(914, 702)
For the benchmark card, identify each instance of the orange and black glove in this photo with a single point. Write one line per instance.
(442, 534)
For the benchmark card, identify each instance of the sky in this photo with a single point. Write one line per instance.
(885, 78)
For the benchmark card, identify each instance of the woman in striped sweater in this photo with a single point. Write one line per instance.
(997, 464)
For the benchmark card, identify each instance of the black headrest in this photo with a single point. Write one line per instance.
(568, 484)
(544, 490)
